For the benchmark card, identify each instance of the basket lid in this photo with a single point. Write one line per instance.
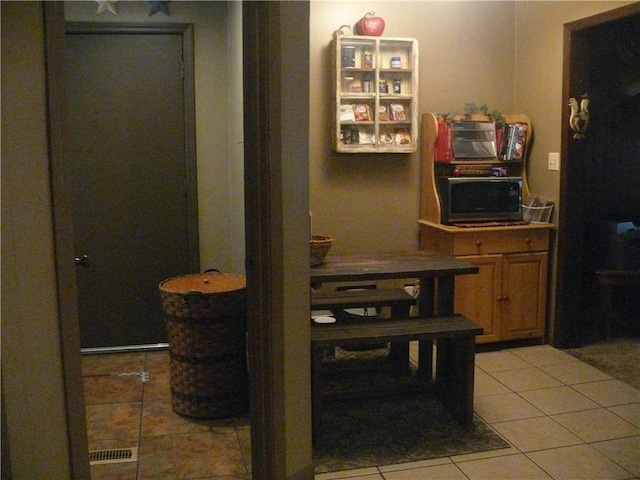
(204, 283)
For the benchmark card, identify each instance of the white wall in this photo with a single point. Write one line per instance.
(371, 202)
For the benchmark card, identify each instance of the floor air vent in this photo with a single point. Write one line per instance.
(114, 455)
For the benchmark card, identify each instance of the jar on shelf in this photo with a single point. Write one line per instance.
(348, 56)
(383, 87)
(397, 85)
(396, 62)
(367, 59)
(366, 83)
(347, 83)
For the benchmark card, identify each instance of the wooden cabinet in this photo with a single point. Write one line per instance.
(508, 295)
(375, 86)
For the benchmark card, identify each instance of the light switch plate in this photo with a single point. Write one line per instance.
(554, 161)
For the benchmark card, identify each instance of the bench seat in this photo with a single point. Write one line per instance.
(455, 336)
(399, 301)
(375, 298)
(360, 332)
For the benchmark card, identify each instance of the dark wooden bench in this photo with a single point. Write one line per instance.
(396, 298)
(455, 336)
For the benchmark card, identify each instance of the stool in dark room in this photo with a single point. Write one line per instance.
(608, 280)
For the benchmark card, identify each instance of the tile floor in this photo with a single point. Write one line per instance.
(123, 412)
(563, 418)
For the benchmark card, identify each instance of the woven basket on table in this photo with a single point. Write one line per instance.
(205, 317)
(319, 245)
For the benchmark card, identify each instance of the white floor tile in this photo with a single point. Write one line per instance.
(413, 465)
(499, 361)
(596, 425)
(540, 355)
(489, 454)
(580, 461)
(609, 392)
(501, 408)
(438, 472)
(526, 379)
(575, 372)
(485, 385)
(558, 400)
(629, 412)
(537, 433)
(370, 473)
(508, 468)
(624, 451)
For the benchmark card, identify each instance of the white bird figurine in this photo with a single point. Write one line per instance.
(579, 118)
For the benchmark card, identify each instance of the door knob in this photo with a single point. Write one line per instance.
(84, 261)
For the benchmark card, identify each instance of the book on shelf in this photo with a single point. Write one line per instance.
(499, 134)
(469, 139)
(361, 112)
(513, 142)
(346, 113)
(398, 112)
(444, 142)
(520, 136)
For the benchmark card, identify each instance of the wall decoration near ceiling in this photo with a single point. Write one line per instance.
(106, 5)
(159, 7)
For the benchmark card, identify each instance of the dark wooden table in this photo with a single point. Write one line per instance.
(421, 264)
(436, 273)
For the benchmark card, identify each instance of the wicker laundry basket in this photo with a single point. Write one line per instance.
(205, 316)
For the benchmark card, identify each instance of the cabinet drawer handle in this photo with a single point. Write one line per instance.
(499, 299)
(503, 298)
(527, 241)
(478, 243)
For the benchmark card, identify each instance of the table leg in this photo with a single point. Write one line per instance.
(425, 309)
(426, 305)
(446, 295)
(455, 376)
(399, 353)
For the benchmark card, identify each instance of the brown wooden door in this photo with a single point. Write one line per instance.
(129, 180)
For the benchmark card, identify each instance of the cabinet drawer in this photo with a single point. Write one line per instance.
(500, 241)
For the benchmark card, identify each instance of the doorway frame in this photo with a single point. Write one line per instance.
(65, 269)
(571, 222)
(55, 28)
(281, 437)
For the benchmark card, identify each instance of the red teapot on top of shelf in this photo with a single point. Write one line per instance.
(370, 25)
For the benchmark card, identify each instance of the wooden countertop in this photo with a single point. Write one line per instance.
(487, 227)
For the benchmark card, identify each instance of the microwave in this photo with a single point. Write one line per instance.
(466, 199)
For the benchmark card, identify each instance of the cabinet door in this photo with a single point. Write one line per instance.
(478, 297)
(524, 284)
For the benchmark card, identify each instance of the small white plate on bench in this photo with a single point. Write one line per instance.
(324, 319)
